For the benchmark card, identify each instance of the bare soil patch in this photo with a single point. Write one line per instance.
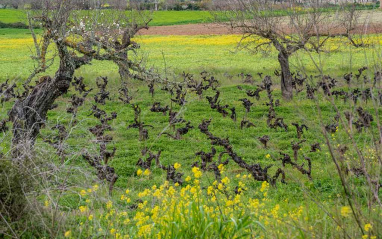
(216, 29)
(370, 23)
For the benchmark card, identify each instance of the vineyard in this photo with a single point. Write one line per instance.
(195, 140)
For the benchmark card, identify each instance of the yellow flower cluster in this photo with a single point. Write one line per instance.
(15, 43)
(345, 211)
(208, 40)
(197, 172)
(332, 44)
(157, 211)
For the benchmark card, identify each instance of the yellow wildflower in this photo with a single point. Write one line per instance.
(90, 217)
(210, 190)
(345, 211)
(147, 172)
(193, 190)
(368, 227)
(83, 208)
(109, 204)
(139, 172)
(177, 166)
(225, 180)
(197, 172)
(221, 168)
(188, 178)
(95, 187)
(144, 193)
(268, 156)
(264, 186)
(83, 193)
(68, 234)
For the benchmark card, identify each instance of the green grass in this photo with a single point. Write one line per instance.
(183, 151)
(163, 18)
(12, 16)
(325, 186)
(160, 18)
(194, 54)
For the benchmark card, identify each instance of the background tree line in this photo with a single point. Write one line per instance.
(177, 5)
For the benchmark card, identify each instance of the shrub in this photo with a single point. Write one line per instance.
(12, 191)
(18, 25)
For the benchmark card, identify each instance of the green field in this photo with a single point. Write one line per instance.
(160, 18)
(68, 201)
(298, 192)
(218, 54)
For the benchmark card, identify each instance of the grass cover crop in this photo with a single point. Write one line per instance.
(196, 185)
(160, 18)
(197, 53)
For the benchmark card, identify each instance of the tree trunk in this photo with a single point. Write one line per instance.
(286, 76)
(123, 70)
(122, 63)
(29, 114)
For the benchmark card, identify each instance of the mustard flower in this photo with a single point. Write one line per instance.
(177, 166)
(345, 211)
(368, 227)
(68, 234)
(83, 208)
(147, 172)
(197, 172)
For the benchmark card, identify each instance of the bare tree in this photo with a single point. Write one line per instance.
(10, 3)
(305, 27)
(78, 39)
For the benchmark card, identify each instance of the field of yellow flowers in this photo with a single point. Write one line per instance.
(205, 210)
(219, 53)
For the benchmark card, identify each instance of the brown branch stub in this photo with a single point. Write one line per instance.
(101, 160)
(256, 170)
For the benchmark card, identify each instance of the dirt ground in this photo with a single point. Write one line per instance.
(373, 21)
